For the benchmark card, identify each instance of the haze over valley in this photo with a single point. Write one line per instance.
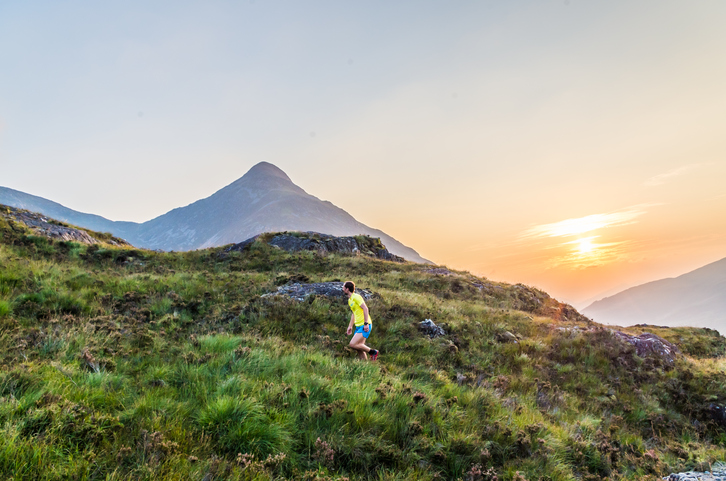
(697, 299)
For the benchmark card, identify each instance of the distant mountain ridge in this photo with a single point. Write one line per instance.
(263, 200)
(697, 298)
(33, 203)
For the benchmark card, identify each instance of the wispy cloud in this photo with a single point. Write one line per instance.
(580, 225)
(594, 255)
(661, 179)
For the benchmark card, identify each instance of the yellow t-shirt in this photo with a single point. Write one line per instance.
(355, 302)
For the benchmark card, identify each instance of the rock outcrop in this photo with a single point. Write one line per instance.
(505, 337)
(647, 345)
(430, 329)
(717, 473)
(322, 243)
(300, 291)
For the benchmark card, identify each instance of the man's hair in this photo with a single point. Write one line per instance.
(350, 285)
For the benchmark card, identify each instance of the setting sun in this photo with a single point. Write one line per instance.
(586, 245)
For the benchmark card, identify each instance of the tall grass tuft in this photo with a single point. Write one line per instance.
(5, 308)
(241, 425)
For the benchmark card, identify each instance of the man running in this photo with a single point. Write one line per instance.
(361, 319)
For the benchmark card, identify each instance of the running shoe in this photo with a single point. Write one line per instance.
(374, 354)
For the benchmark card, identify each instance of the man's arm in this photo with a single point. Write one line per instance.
(351, 324)
(366, 318)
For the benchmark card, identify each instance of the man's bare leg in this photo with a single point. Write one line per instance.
(358, 343)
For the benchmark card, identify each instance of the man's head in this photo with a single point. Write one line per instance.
(349, 287)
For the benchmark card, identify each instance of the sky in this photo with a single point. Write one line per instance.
(574, 146)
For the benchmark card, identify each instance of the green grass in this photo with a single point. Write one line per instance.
(118, 364)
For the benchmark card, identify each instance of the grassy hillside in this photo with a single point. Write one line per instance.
(118, 363)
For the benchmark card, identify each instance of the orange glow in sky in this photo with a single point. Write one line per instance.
(575, 146)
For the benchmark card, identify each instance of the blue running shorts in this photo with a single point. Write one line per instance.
(359, 330)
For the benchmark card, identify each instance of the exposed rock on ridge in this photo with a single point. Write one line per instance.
(322, 243)
(300, 291)
(645, 345)
(717, 473)
(648, 344)
(50, 228)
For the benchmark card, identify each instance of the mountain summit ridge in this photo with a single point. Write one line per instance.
(264, 199)
(265, 169)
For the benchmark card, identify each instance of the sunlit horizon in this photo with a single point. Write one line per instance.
(573, 146)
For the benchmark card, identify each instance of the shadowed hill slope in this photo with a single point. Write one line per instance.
(697, 299)
(37, 224)
(33, 203)
(263, 200)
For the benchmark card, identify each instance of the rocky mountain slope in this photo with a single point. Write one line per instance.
(697, 298)
(263, 200)
(40, 225)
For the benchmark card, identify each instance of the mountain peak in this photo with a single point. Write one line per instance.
(266, 169)
(262, 200)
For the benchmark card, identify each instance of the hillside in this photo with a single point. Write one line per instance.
(119, 363)
(33, 203)
(263, 200)
(697, 298)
